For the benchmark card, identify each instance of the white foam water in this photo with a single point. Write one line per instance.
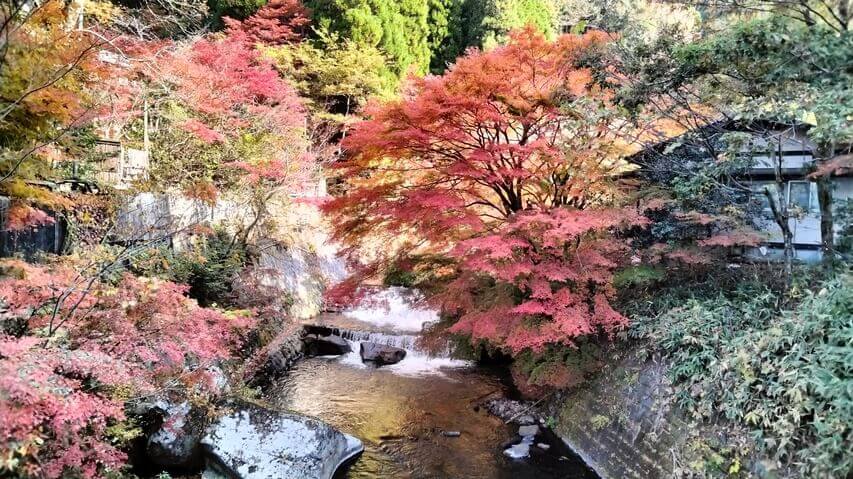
(416, 363)
(393, 307)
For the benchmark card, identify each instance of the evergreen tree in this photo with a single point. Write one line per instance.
(399, 28)
(485, 23)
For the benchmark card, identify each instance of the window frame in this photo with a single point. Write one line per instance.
(812, 206)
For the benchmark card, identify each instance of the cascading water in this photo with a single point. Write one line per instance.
(419, 418)
(418, 362)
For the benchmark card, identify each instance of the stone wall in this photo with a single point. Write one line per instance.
(623, 423)
(297, 257)
(32, 241)
(307, 264)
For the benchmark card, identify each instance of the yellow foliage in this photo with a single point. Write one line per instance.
(102, 12)
(37, 195)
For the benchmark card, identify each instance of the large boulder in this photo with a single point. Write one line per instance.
(258, 443)
(175, 443)
(174, 426)
(331, 345)
(381, 353)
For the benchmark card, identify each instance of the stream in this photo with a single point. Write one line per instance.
(400, 411)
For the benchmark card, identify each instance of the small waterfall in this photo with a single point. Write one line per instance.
(403, 341)
(389, 308)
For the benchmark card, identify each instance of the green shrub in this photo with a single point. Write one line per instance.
(208, 267)
(786, 377)
(424, 272)
(397, 276)
(559, 366)
(238, 9)
(638, 277)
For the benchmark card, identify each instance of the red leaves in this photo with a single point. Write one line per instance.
(202, 131)
(734, 238)
(562, 263)
(487, 164)
(204, 191)
(276, 170)
(462, 152)
(42, 399)
(54, 399)
(21, 216)
(229, 87)
(276, 23)
(839, 165)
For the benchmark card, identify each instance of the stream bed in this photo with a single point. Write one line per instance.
(408, 414)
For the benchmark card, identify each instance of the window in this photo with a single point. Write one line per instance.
(799, 194)
(803, 195)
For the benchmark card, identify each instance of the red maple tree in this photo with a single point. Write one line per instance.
(276, 23)
(235, 109)
(506, 163)
(97, 344)
(558, 266)
(229, 89)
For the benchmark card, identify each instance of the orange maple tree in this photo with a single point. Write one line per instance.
(506, 164)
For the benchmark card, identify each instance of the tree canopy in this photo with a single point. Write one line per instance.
(495, 159)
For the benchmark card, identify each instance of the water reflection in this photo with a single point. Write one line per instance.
(400, 420)
(400, 411)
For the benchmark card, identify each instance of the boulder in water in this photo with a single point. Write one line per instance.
(258, 443)
(526, 420)
(381, 353)
(331, 345)
(509, 410)
(528, 431)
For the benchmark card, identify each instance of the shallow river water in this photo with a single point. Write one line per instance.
(400, 411)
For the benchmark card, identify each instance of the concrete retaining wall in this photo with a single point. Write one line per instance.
(623, 423)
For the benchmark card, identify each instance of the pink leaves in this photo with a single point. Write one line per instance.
(734, 238)
(278, 22)
(129, 337)
(202, 131)
(21, 216)
(488, 134)
(14, 348)
(495, 247)
(561, 262)
(563, 224)
(482, 165)
(229, 87)
(47, 413)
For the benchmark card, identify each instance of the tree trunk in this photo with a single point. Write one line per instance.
(74, 14)
(781, 214)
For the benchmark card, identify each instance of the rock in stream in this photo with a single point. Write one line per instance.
(381, 353)
(258, 443)
(175, 443)
(331, 345)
